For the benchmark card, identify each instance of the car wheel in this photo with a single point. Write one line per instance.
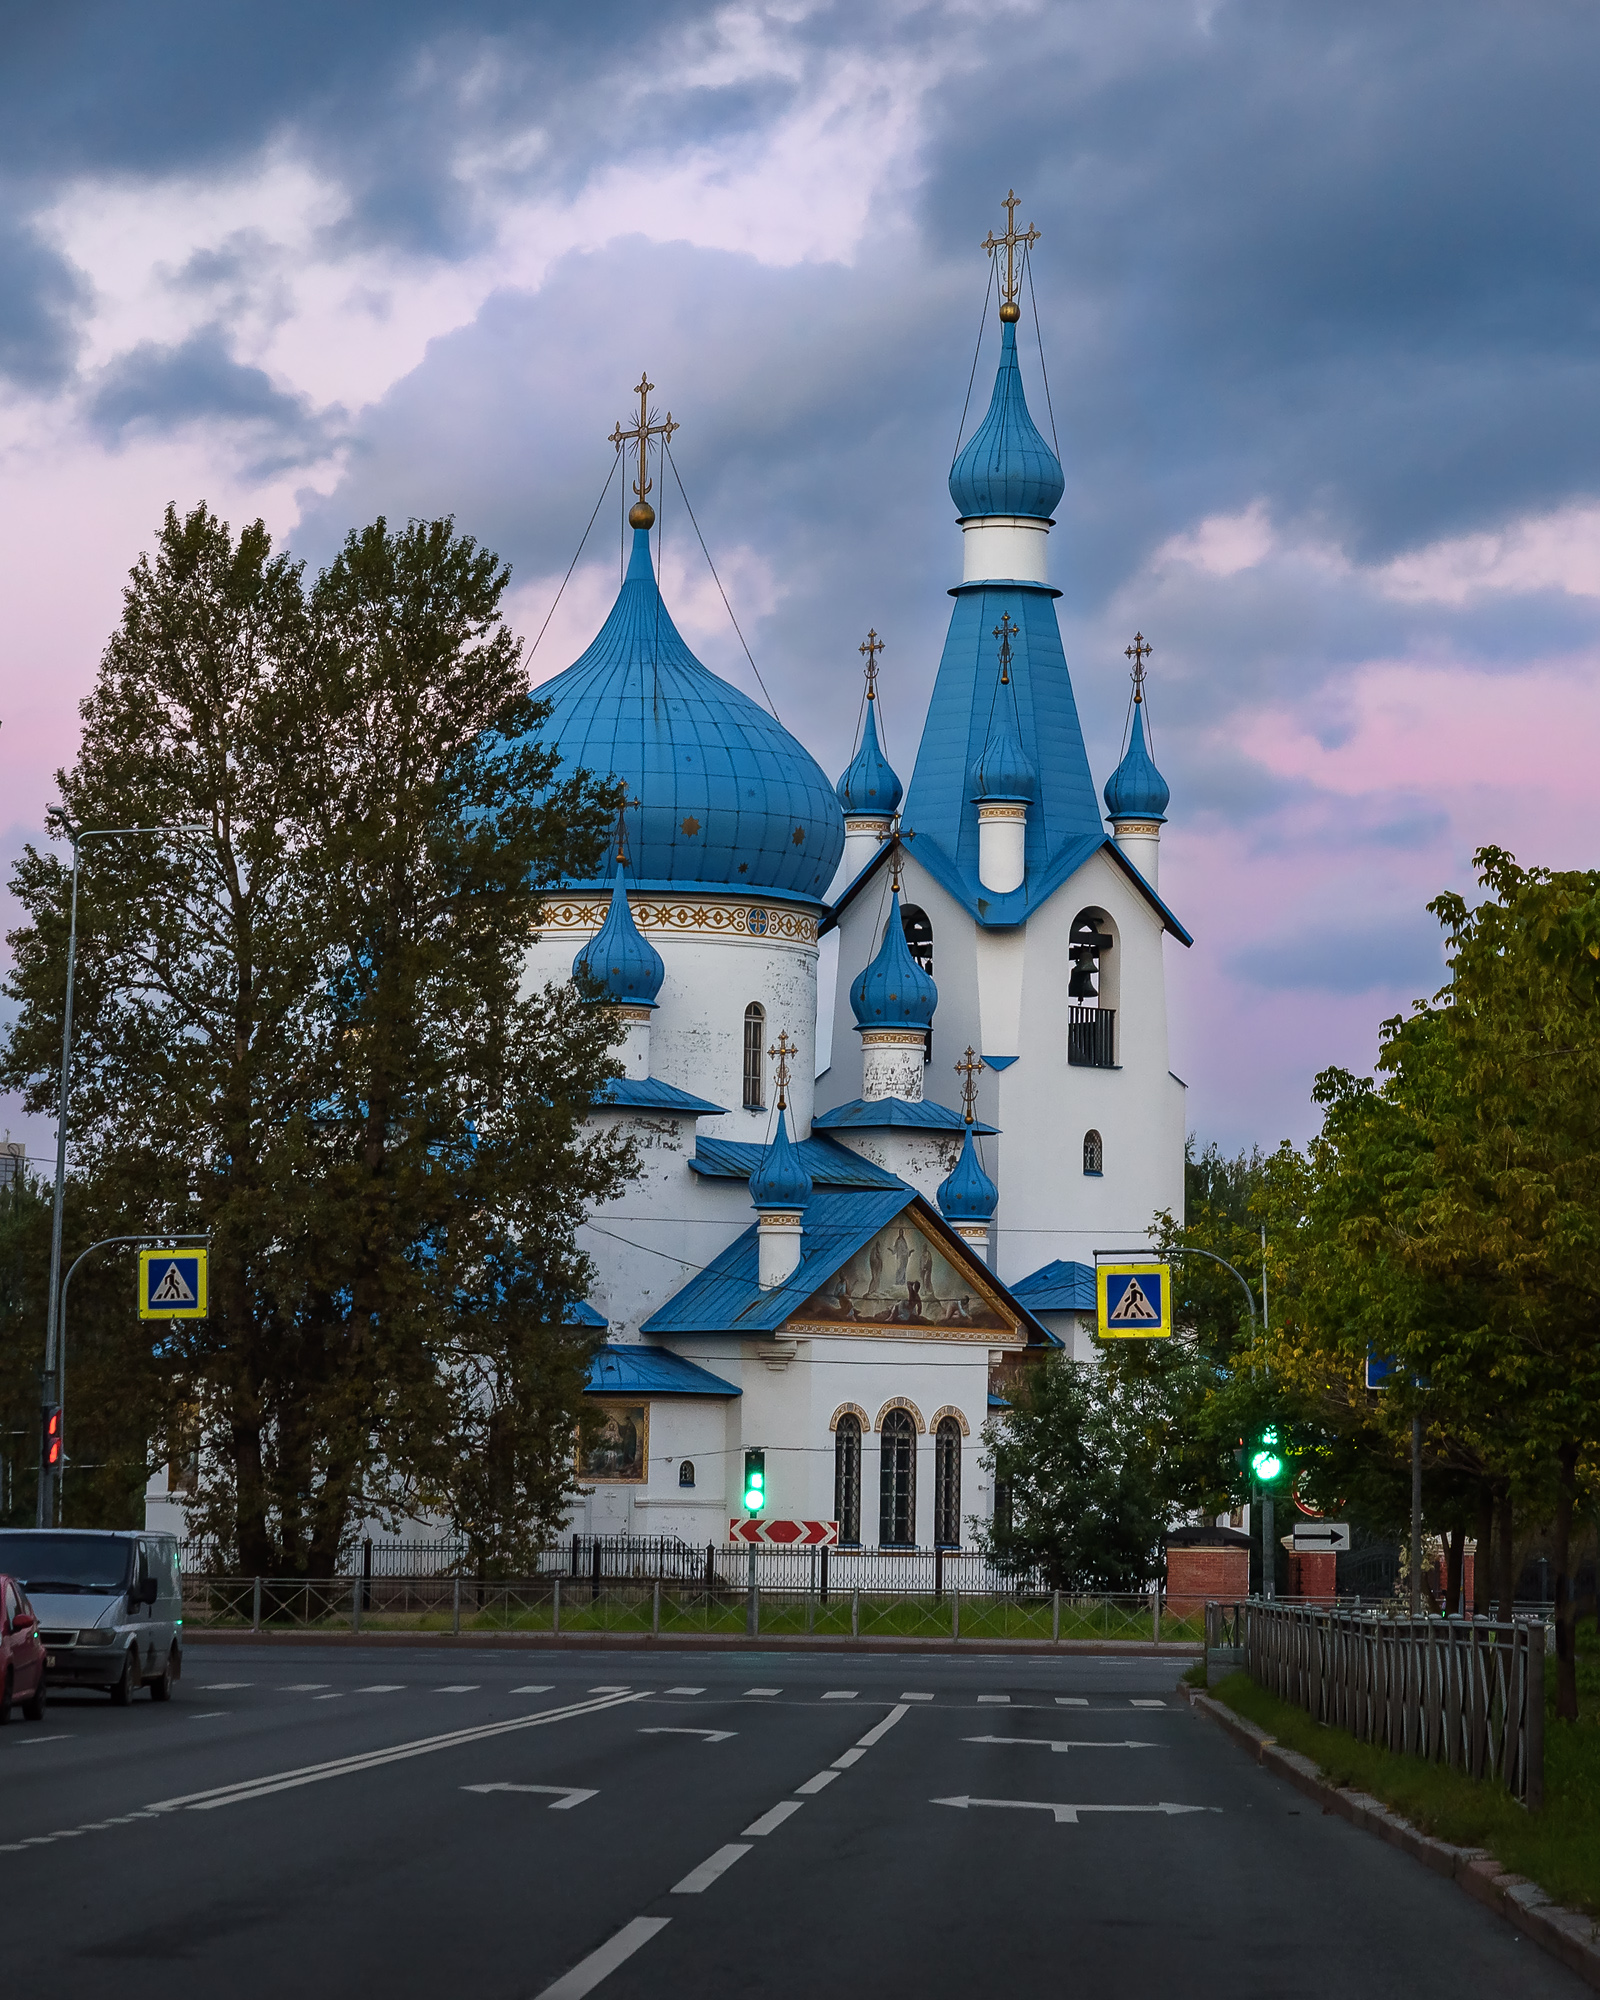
(161, 1686)
(33, 1707)
(122, 1688)
(5, 1698)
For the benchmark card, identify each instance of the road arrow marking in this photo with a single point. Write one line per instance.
(1072, 1743)
(711, 1735)
(569, 1795)
(1067, 1815)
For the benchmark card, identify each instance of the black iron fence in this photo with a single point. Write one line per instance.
(1092, 1037)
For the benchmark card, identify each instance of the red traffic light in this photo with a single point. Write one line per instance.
(52, 1437)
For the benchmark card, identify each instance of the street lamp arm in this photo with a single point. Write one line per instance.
(1192, 1250)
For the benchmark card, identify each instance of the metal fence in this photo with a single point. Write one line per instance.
(1464, 1692)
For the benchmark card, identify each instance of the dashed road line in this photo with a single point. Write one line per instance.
(1003, 1699)
(774, 1817)
(210, 1714)
(916, 1697)
(1148, 1704)
(399, 1687)
(817, 1784)
(840, 1694)
(587, 1974)
(698, 1880)
(535, 1687)
(302, 1687)
(65, 1737)
(688, 1690)
(763, 1691)
(471, 1687)
(1072, 1701)
(224, 1687)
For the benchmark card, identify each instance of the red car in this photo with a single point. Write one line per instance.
(21, 1653)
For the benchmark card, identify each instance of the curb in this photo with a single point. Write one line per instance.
(1565, 1934)
(645, 1642)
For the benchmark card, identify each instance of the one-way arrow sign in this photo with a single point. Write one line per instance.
(1054, 1743)
(1065, 1815)
(1321, 1535)
(569, 1795)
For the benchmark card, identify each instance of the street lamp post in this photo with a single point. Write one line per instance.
(44, 1512)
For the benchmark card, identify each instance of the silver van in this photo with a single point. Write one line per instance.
(110, 1606)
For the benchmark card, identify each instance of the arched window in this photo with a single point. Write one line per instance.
(919, 942)
(947, 1484)
(847, 1480)
(755, 1057)
(686, 1472)
(1093, 1153)
(897, 1482)
(1092, 992)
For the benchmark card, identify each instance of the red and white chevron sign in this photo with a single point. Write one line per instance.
(787, 1534)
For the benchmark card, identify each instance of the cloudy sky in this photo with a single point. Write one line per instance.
(1318, 299)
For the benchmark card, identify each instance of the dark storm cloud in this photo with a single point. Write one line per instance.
(39, 294)
(156, 388)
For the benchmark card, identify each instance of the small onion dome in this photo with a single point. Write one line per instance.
(1004, 770)
(1136, 789)
(1007, 468)
(781, 1180)
(894, 991)
(967, 1194)
(618, 958)
(870, 785)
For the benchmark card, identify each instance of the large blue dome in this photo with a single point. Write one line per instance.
(728, 798)
(1007, 468)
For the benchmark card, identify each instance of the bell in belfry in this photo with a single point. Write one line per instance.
(1080, 986)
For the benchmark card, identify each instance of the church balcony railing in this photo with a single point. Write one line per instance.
(1092, 1037)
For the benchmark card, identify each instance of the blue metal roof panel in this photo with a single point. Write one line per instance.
(1057, 1287)
(582, 1314)
(866, 1115)
(652, 1371)
(828, 1164)
(649, 1093)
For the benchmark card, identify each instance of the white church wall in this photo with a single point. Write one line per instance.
(923, 1159)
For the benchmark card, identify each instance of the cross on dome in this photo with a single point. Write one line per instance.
(781, 1051)
(1009, 242)
(1003, 632)
(872, 646)
(968, 1070)
(1138, 652)
(898, 832)
(641, 514)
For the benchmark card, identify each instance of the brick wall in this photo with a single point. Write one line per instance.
(1193, 1575)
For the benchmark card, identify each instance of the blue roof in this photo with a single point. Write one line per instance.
(618, 958)
(828, 1164)
(780, 1180)
(967, 1194)
(1003, 770)
(1007, 468)
(870, 784)
(729, 799)
(864, 1114)
(651, 1371)
(1057, 1287)
(997, 1402)
(893, 991)
(581, 1313)
(1136, 789)
(649, 1093)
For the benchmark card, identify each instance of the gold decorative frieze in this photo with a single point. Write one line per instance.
(703, 917)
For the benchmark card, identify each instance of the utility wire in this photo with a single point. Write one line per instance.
(571, 566)
(717, 580)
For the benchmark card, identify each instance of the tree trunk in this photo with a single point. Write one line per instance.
(1506, 1568)
(1455, 1549)
(1483, 1555)
(1566, 1609)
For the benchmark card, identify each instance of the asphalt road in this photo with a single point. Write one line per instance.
(418, 1822)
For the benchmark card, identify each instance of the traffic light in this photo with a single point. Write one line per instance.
(755, 1481)
(52, 1437)
(1266, 1456)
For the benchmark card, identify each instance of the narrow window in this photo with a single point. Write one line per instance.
(897, 1482)
(755, 1056)
(1093, 1153)
(947, 1484)
(847, 1480)
(919, 942)
(686, 1472)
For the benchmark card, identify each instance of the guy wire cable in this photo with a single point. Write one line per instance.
(717, 580)
(1027, 265)
(977, 350)
(571, 566)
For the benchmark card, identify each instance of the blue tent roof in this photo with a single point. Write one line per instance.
(649, 1093)
(1007, 468)
(781, 1179)
(1057, 1287)
(828, 1164)
(870, 784)
(870, 1114)
(893, 991)
(581, 1313)
(967, 1194)
(651, 1371)
(1136, 789)
(619, 958)
(729, 799)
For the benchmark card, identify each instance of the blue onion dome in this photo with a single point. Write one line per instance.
(1003, 770)
(619, 958)
(730, 799)
(870, 785)
(967, 1194)
(1007, 468)
(894, 991)
(781, 1180)
(1136, 789)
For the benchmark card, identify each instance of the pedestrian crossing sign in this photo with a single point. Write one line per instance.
(172, 1284)
(1135, 1301)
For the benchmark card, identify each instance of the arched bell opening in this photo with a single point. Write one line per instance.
(1092, 991)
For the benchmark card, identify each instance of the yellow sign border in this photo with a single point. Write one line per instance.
(198, 1309)
(1140, 1268)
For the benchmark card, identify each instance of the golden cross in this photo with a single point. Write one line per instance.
(628, 805)
(968, 1072)
(641, 434)
(782, 1049)
(1003, 632)
(897, 834)
(1009, 243)
(1138, 652)
(872, 648)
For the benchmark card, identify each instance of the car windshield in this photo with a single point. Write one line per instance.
(64, 1563)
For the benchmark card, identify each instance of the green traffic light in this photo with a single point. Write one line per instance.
(1265, 1462)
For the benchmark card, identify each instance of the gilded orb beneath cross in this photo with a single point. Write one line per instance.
(641, 515)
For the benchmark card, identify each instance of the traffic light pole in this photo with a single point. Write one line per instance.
(1416, 1515)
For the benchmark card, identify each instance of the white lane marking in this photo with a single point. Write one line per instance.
(223, 1687)
(916, 1697)
(330, 1697)
(210, 1714)
(1070, 1743)
(1002, 1698)
(587, 1974)
(1067, 1815)
(1147, 1704)
(840, 1694)
(763, 1690)
(819, 1783)
(570, 1795)
(849, 1757)
(1072, 1701)
(471, 1687)
(341, 1767)
(700, 1879)
(608, 1690)
(685, 1690)
(541, 1687)
(396, 1687)
(66, 1738)
(879, 1730)
(302, 1687)
(772, 1819)
(710, 1735)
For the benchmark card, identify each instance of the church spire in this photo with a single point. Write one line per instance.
(1136, 793)
(641, 514)
(869, 790)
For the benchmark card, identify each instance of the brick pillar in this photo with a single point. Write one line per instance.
(1194, 1575)
(1311, 1575)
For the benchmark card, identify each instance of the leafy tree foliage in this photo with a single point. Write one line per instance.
(303, 1029)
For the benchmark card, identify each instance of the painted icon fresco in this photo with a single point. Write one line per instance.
(620, 1446)
(901, 1278)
